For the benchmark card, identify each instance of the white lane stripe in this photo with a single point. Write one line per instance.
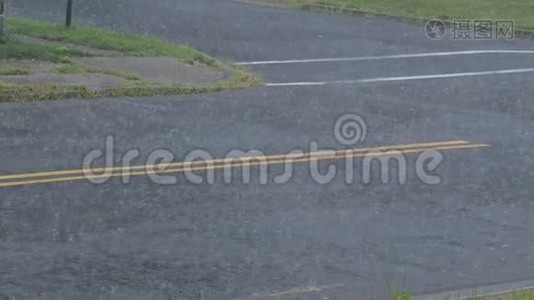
(363, 58)
(404, 78)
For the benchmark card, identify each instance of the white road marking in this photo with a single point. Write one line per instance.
(399, 56)
(404, 78)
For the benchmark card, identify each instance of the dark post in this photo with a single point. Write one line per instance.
(2, 32)
(68, 20)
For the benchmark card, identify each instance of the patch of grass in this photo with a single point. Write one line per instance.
(127, 44)
(79, 69)
(239, 81)
(85, 92)
(395, 294)
(70, 69)
(520, 11)
(14, 49)
(39, 92)
(30, 92)
(8, 70)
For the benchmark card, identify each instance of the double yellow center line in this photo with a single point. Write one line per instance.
(235, 162)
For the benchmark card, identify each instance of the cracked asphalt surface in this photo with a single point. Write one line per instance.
(244, 241)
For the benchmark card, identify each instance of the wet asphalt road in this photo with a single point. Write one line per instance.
(77, 240)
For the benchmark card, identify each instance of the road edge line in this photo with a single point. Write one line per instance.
(485, 291)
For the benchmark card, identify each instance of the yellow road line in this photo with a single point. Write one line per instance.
(324, 156)
(216, 161)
